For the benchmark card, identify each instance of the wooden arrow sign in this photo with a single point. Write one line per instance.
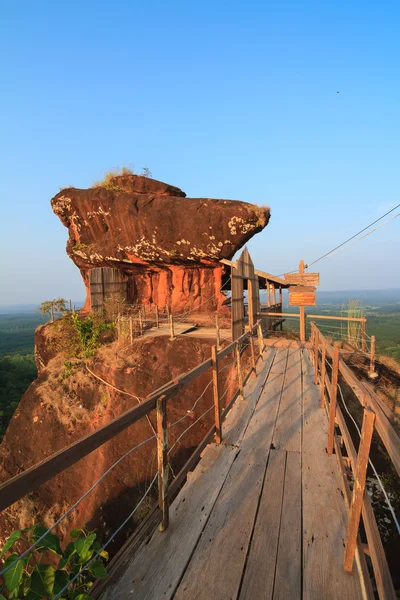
(302, 278)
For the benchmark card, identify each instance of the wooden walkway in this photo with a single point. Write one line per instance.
(262, 516)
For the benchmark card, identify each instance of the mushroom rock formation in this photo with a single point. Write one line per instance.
(168, 246)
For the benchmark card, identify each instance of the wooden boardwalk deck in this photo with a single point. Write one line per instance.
(262, 515)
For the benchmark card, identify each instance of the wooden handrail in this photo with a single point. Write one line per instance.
(379, 562)
(22, 484)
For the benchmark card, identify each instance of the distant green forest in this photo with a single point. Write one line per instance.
(17, 362)
(18, 369)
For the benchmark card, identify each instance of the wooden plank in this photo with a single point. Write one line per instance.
(365, 579)
(157, 568)
(288, 567)
(237, 304)
(259, 574)
(332, 399)
(324, 512)
(162, 458)
(302, 279)
(359, 488)
(216, 566)
(302, 299)
(287, 435)
(217, 400)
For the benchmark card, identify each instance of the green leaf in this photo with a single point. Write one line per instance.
(60, 581)
(75, 533)
(82, 545)
(68, 554)
(97, 569)
(12, 577)
(82, 597)
(50, 542)
(2, 597)
(42, 581)
(10, 542)
(32, 596)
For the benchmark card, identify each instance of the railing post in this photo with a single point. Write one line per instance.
(358, 489)
(131, 329)
(217, 401)
(260, 338)
(217, 332)
(316, 354)
(323, 372)
(140, 321)
(144, 313)
(157, 317)
(167, 311)
(171, 327)
(239, 370)
(363, 336)
(372, 358)
(253, 356)
(162, 454)
(333, 398)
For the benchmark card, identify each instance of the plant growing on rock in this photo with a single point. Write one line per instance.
(89, 330)
(34, 578)
(53, 307)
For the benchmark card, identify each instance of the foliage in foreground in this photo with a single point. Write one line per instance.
(34, 578)
(53, 307)
(89, 330)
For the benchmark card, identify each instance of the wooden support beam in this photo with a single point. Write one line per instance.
(372, 358)
(239, 370)
(253, 356)
(268, 294)
(316, 354)
(359, 488)
(171, 327)
(260, 339)
(162, 454)
(217, 400)
(323, 371)
(332, 401)
(217, 333)
(273, 294)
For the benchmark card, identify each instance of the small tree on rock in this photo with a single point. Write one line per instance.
(52, 307)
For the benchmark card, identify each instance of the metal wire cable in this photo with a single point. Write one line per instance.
(76, 504)
(64, 589)
(391, 509)
(187, 429)
(345, 243)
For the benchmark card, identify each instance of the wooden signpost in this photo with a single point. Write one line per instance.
(302, 293)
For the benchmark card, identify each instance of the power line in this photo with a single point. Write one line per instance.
(345, 243)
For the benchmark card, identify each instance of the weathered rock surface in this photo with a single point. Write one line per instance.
(169, 246)
(57, 410)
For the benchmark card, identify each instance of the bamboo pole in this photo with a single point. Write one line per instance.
(359, 488)
(162, 455)
(333, 398)
(239, 370)
(217, 332)
(157, 317)
(323, 371)
(171, 327)
(363, 336)
(217, 400)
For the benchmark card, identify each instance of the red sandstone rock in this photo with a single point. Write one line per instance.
(167, 245)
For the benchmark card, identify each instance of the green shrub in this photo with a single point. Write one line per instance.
(89, 331)
(34, 579)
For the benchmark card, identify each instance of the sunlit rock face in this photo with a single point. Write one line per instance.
(167, 245)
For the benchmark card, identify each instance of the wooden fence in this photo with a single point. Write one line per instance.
(32, 478)
(375, 419)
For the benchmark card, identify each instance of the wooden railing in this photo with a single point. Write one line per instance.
(19, 486)
(375, 419)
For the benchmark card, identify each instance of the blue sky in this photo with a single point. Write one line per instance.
(223, 99)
